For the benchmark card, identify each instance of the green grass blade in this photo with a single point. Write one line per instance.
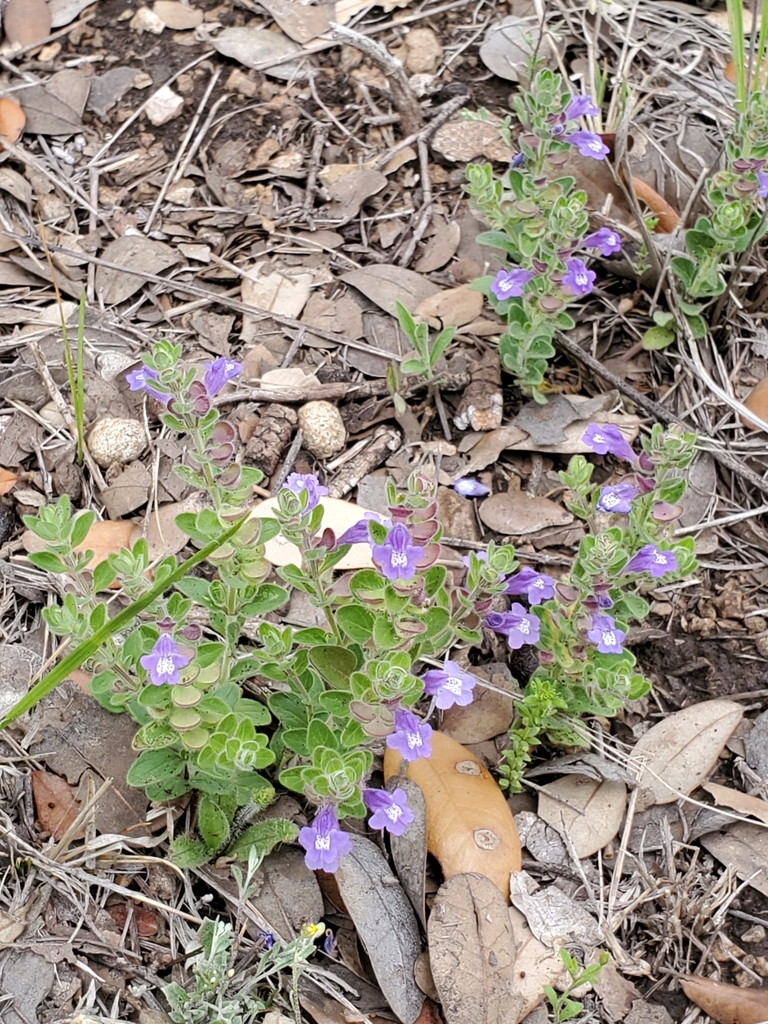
(78, 396)
(736, 29)
(123, 618)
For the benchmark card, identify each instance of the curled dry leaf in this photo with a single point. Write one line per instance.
(452, 307)
(472, 953)
(677, 754)
(8, 479)
(741, 802)
(588, 810)
(667, 217)
(385, 923)
(727, 1004)
(339, 516)
(757, 402)
(742, 847)
(12, 120)
(385, 284)
(553, 916)
(470, 827)
(55, 802)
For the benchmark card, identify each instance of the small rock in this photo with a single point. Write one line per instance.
(176, 15)
(142, 80)
(424, 51)
(756, 624)
(109, 88)
(323, 429)
(755, 934)
(145, 20)
(50, 413)
(240, 82)
(762, 646)
(112, 362)
(461, 141)
(113, 440)
(164, 106)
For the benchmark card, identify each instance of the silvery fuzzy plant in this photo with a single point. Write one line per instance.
(319, 698)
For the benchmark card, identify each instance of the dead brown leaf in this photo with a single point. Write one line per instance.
(451, 308)
(26, 22)
(470, 827)
(727, 1004)
(743, 847)
(55, 802)
(590, 811)
(741, 802)
(385, 284)
(8, 480)
(350, 192)
(440, 247)
(131, 252)
(517, 513)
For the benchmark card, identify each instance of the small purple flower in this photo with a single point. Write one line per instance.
(398, 556)
(412, 737)
(329, 942)
(604, 239)
(588, 144)
(141, 380)
(762, 184)
(469, 488)
(605, 635)
(218, 373)
(449, 685)
(650, 559)
(517, 625)
(603, 438)
(358, 534)
(517, 160)
(580, 106)
(390, 810)
(578, 278)
(509, 284)
(267, 939)
(299, 482)
(164, 661)
(324, 842)
(536, 586)
(617, 498)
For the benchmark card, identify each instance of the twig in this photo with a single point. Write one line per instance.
(408, 107)
(425, 216)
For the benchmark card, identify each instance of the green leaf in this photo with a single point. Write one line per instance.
(385, 636)
(47, 562)
(414, 366)
(80, 528)
(103, 575)
(269, 596)
(154, 766)
(335, 664)
(685, 269)
(366, 583)
(498, 240)
(212, 823)
(199, 590)
(356, 622)
(263, 837)
(441, 343)
(319, 735)
(189, 853)
(656, 338)
(293, 779)
(289, 710)
(697, 325)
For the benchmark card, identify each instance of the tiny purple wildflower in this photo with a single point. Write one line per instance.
(578, 278)
(536, 586)
(469, 488)
(517, 160)
(603, 438)
(604, 239)
(412, 737)
(329, 942)
(617, 498)
(605, 635)
(218, 373)
(142, 379)
(164, 661)
(509, 284)
(449, 685)
(324, 842)
(588, 144)
(390, 810)
(517, 625)
(580, 106)
(762, 184)
(358, 533)
(398, 556)
(267, 939)
(300, 482)
(650, 559)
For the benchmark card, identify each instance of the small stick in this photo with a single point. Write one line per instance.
(411, 117)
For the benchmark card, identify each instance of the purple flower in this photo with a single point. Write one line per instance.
(218, 373)
(398, 556)
(588, 144)
(650, 559)
(358, 534)
(517, 625)
(329, 942)
(510, 283)
(605, 635)
(164, 661)
(267, 939)
(517, 160)
(300, 482)
(577, 277)
(536, 586)
(469, 488)
(762, 184)
(141, 380)
(617, 498)
(324, 842)
(604, 239)
(412, 737)
(449, 685)
(579, 106)
(603, 438)
(390, 810)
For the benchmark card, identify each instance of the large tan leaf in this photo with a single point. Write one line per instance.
(338, 515)
(741, 802)
(727, 1004)
(677, 754)
(385, 923)
(470, 827)
(472, 953)
(103, 538)
(744, 848)
(134, 252)
(536, 965)
(385, 284)
(588, 810)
